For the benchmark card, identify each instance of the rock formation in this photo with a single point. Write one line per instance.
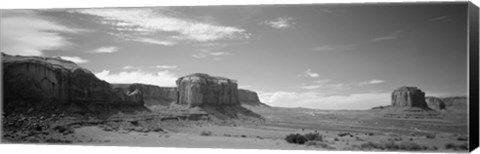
(435, 103)
(455, 101)
(408, 97)
(249, 97)
(151, 94)
(37, 79)
(200, 89)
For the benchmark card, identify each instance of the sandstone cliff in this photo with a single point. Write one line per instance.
(435, 103)
(249, 97)
(408, 97)
(54, 80)
(151, 94)
(457, 103)
(201, 89)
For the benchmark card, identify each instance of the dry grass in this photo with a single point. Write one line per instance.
(206, 133)
(392, 146)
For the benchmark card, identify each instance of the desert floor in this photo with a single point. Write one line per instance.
(340, 130)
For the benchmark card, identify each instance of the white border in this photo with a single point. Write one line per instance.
(53, 149)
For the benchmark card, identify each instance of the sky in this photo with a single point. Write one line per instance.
(324, 56)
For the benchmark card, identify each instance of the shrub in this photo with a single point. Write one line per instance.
(318, 144)
(462, 139)
(206, 133)
(313, 137)
(412, 146)
(456, 147)
(430, 136)
(63, 129)
(407, 146)
(296, 139)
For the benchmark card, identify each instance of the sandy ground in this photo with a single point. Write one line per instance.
(341, 130)
(97, 136)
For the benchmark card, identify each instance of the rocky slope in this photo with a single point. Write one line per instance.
(30, 79)
(152, 95)
(200, 89)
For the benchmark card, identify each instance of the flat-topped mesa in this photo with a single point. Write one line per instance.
(152, 94)
(249, 97)
(408, 97)
(201, 89)
(38, 79)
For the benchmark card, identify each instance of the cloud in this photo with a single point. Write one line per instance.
(205, 53)
(322, 101)
(280, 23)
(129, 67)
(331, 87)
(390, 36)
(370, 82)
(110, 49)
(77, 60)
(155, 22)
(28, 34)
(311, 74)
(155, 41)
(327, 85)
(162, 78)
(311, 86)
(165, 66)
(323, 81)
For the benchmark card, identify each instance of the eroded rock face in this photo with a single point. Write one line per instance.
(435, 103)
(151, 94)
(37, 79)
(248, 97)
(199, 89)
(408, 97)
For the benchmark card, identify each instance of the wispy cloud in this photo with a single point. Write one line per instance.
(148, 22)
(28, 34)
(130, 67)
(328, 85)
(370, 82)
(110, 49)
(309, 73)
(162, 78)
(389, 36)
(320, 100)
(206, 53)
(77, 60)
(311, 87)
(165, 66)
(280, 23)
(155, 41)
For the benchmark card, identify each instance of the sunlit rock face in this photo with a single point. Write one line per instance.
(435, 103)
(408, 97)
(203, 89)
(152, 94)
(248, 97)
(39, 79)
